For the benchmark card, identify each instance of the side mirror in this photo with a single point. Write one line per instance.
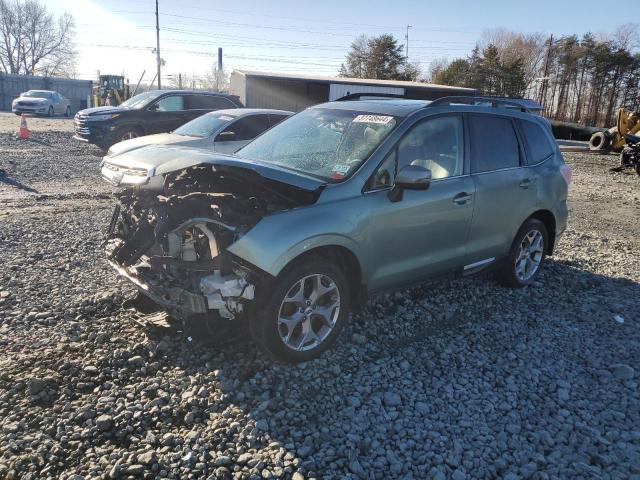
(153, 107)
(410, 177)
(227, 136)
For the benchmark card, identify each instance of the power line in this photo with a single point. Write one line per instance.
(316, 21)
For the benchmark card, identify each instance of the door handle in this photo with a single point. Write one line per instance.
(527, 182)
(461, 198)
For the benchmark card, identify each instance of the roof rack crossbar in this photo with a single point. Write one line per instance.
(470, 100)
(359, 95)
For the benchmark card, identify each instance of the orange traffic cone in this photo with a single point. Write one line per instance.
(24, 131)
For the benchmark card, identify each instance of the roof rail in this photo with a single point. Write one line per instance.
(495, 102)
(359, 95)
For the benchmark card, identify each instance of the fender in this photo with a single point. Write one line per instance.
(280, 238)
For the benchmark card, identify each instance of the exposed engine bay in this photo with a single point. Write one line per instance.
(171, 241)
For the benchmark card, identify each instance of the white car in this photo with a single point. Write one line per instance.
(42, 102)
(223, 131)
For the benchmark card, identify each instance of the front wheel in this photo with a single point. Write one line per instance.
(302, 314)
(67, 112)
(50, 112)
(128, 134)
(526, 256)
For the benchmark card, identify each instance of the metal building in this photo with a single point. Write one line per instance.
(297, 92)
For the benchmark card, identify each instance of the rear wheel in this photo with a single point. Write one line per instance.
(50, 112)
(526, 256)
(67, 112)
(303, 313)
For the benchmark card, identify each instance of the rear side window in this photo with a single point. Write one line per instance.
(209, 102)
(248, 128)
(494, 144)
(276, 118)
(539, 146)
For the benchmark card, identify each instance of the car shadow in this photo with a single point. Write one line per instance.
(5, 179)
(298, 405)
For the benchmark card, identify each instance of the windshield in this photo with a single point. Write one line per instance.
(37, 94)
(205, 125)
(140, 101)
(326, 143)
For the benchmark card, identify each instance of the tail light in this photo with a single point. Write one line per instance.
(567, 173)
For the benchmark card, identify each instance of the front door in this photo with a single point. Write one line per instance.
(425, 233)
(167, 114)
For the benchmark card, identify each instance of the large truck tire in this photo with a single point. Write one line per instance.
(600, 142)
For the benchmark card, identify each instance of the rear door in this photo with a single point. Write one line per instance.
(197, 105)
(239, 133)
(166, 114)
(506, 191)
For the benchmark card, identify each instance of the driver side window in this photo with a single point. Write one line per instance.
(173, 103)
(436, 144)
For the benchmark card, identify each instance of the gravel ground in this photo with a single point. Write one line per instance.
(461, 379)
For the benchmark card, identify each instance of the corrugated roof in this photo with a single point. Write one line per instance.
(352, 81)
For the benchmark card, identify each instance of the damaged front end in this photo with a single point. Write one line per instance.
(171, 242)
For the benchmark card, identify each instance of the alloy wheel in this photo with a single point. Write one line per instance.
(129, 135)
(309, 312)
(529, 255)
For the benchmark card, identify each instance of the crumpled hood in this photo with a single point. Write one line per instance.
(168, 159)
(160, 138)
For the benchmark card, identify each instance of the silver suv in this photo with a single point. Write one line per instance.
(340, 201)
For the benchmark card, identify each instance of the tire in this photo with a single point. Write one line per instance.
(50, 112)
(288, 341)
(127, 133)
(599, 141)
(516, 269)
(67, 112)
(624, 159)
(638, 170)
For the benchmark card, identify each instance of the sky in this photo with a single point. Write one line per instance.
(299, 36)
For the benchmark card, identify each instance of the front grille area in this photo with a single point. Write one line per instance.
(80, 124)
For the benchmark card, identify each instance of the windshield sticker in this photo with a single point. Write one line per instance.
(338, 172)
(341, 169)
(381, 119)
(226, 117)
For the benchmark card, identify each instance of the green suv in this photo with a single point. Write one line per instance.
(338, 202)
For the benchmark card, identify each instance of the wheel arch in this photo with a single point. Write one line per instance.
(348, 262)
(549, 220)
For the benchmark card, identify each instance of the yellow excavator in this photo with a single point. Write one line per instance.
(111, 90)
(628, 122)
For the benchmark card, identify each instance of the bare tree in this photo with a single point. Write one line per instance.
(215, 79)
(33, 41)
(514, 46)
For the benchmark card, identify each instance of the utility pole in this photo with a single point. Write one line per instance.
(180, 81)
(219, 69)
(406, 37)
(158, 45)
(545, 75)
